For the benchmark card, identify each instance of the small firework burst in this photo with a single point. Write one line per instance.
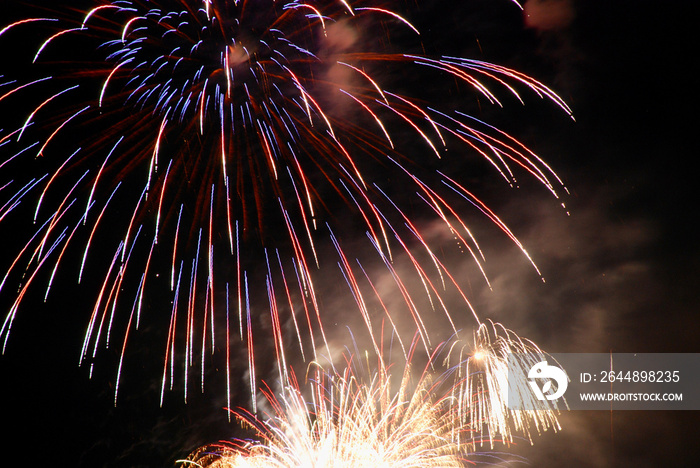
(483, 371)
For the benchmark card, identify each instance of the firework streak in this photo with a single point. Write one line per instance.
(218, 153)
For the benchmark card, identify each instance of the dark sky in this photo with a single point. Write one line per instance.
(621, 270)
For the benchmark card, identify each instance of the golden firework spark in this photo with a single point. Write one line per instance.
(437, 418)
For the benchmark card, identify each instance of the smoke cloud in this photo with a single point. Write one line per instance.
(548, 14)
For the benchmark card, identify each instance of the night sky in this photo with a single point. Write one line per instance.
(621, 269)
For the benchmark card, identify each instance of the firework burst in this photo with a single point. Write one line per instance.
(484, 386)
(211, 137)
(351, 421)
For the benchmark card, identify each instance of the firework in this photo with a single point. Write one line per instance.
(354, 425)
(349, 421)
(484, 386)
(211, 137)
